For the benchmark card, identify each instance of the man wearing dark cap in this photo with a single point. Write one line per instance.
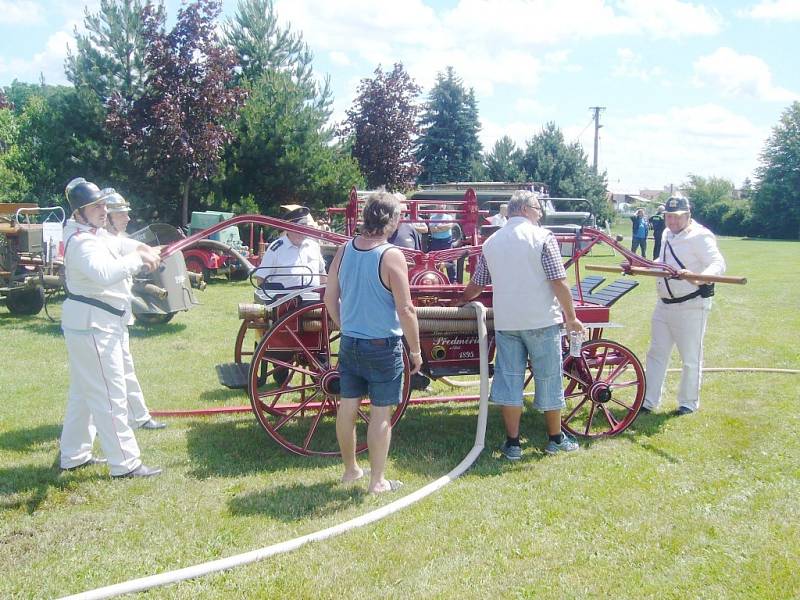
(293, 261)
(95, 318)
(680, 315)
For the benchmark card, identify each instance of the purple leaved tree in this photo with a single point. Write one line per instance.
(178, 128)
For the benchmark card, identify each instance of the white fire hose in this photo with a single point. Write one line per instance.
(145, 583)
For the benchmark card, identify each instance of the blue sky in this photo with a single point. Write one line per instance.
(689, 87)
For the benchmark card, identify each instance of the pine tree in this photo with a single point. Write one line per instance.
(449, 149)
(503, 163)
(776, 204)
(111, 55)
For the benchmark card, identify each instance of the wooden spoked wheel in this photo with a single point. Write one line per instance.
(603, 389)
(300, 412)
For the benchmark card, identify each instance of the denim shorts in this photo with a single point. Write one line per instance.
(372, 368)
(514, 348)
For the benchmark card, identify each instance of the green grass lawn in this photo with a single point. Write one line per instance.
(706, 506)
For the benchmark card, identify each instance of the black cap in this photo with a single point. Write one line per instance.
(677, 205)
(82, 193)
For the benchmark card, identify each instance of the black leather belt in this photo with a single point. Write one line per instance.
(97, 303)
(694, 294)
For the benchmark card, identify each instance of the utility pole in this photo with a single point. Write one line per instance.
(597, 127)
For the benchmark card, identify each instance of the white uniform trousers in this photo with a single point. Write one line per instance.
(682, 325)
(138, 414)
(97, 404)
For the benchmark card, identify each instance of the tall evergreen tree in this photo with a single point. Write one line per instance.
(383, 126)
(565, 169)
(776, 203)
(110, 57)
(449, 149)
(283, 149)
(262, 46)
(504, 162)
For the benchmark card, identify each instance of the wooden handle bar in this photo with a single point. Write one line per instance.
(659, 273)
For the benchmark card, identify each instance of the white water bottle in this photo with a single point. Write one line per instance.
(575, 341)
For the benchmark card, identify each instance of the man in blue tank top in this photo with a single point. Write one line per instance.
(368, 298)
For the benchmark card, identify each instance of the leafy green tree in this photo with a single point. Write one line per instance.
(13, 185)
(714, 205)
(776, 204)
(262, 45)
(504, 162)
(449, 149)
(565, 169)
(283, 151)
(383, 125)
(176, 131)
(110, 57)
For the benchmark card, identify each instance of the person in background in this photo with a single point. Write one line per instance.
(501, 218)
(681, 312)
(657, 225)
(116, 224)
(368, 298)
(406, 235)
(522, 260)
(94, 319)
(639, 233)
(293, 261)
(441, 229)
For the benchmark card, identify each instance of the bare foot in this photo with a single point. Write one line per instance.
(386, 485)
(354, 475)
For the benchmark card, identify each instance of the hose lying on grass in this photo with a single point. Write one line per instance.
(145, 583)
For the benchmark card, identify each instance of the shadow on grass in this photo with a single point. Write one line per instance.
(25, 439)
(223, 394)
(29, 486)
(240, 447)
(35, 324)
(141, 331)
(298, 501)
(645, 426)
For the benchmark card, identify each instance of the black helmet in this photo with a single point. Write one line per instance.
(81, 193)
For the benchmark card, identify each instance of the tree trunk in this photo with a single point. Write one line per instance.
(185, 202)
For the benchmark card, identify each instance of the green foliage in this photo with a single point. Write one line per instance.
(262, 45)
(504, 162)
(776, 205)
(110, 57)
(14, 187)
(383, 125)
(565, 169)
(714, 205)
(449, 149)
(283, 152)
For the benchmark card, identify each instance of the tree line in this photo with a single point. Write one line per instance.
(231, 116)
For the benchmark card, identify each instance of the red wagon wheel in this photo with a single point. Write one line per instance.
(603, 389)
(300, 412)
(241, 354)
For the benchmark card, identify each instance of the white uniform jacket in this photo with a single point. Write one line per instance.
(99, 266)
(292, 266)
(696, 248)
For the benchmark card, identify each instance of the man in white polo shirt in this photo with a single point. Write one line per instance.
(293, 261)
(522, 262)
(681, 312)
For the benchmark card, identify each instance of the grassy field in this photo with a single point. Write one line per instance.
(705, 506)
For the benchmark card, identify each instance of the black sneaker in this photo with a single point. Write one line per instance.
(683, 410)
(510, 452)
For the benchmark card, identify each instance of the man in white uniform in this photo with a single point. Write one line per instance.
(681, 312)
(293, 261)
(94, 319)
(501, 218)
(116, 224)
